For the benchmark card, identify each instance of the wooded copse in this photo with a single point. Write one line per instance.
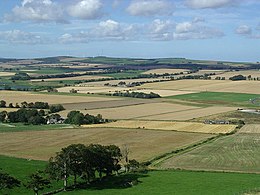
(137, 94)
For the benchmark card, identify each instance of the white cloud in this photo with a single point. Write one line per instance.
(21, 37)
(161, 30)
(105, 30)
(243, 30)
(201, 4)
(150, 7)
(86, 9)
(114, 30)
(36, 11)
(191, 30)
(81, 37)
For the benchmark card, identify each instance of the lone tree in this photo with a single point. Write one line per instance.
(7, 181)
(37, 182)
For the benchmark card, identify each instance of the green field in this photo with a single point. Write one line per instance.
(238, 99)
(155, 182)
(15, 127)
(239, 152)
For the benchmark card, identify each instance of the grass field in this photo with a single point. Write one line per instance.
(41, 145)
(155, 182)
(223, 98)
(238, 152)
(15, 127)
(168, 126)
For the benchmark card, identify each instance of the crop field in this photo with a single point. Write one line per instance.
(106, 104)
(85, 77)
(208, 85)
(135, 111)
(165, 70)
(127, 81)
(239, 152)
(251, 128)
(107, 89)
(18, 97)
(3, 74)
(246, 73)
(189, 114)
(168, 126)
(42, 145)
(97, 89)
(239, 99)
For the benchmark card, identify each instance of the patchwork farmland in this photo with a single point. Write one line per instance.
(193, 125)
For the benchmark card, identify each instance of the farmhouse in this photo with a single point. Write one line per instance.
(219, 122)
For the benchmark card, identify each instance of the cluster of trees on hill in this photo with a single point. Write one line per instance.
(21, 76)
(237, 78)
(27, 116)
(136, 94)
(89, 163)
(37, 105)
(78, 118)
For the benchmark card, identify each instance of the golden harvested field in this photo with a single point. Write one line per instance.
(106, 104)
(3, 74)
(19, 96)
(85, 77)
(190, 114)
(163, 93)
(238, 152)
(250, 128)
(41, 145)
(97, 89)
(168, 126)
(227, 75)
(165, 70)
(208, 85)
(134, 111)
(107, 89)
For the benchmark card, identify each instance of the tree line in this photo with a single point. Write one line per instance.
(76, 162)
(136, 94)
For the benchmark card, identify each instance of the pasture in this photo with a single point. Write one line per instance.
(41, 145)
(168, 126)
(223, 98)
(239, 152)
(171, 182)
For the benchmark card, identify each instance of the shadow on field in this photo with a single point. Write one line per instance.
(112, 182)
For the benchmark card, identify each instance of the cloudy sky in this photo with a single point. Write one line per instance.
(197, 29)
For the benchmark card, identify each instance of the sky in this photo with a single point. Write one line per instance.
(195, 29)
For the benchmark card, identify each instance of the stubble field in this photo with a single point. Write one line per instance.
(41, 145)
(239, 152)
(168, 126)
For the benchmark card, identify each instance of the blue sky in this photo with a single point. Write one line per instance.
(196, 29)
